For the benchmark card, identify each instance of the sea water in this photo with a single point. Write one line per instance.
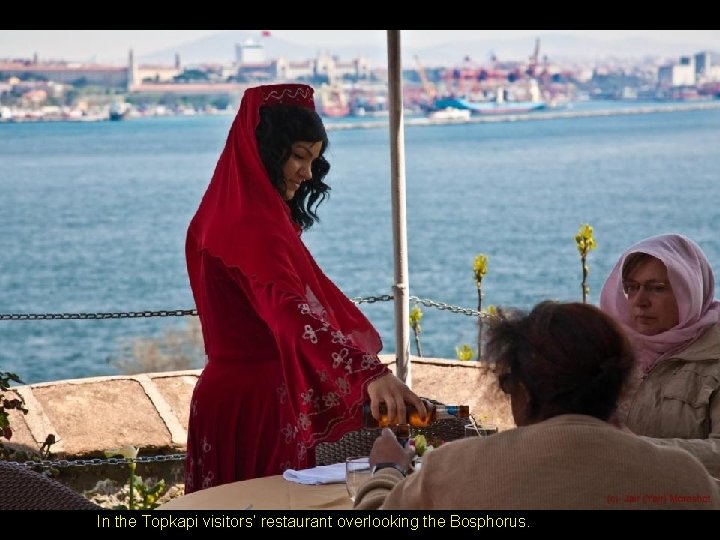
(93, 218)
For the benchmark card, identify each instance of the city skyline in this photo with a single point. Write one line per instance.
(113, 45)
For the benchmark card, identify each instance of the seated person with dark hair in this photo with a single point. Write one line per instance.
(564, 366)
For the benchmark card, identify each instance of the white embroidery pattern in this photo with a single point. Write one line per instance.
(368, 361)
(339, 337)
(304, 309)
(339, 358)
(307, 397)
(303, 421)
(289, 432)
(302, 451)
(343, 386)
(287, 96)
(331, 399)
(206, 446)
(310, 334)
(208, 480)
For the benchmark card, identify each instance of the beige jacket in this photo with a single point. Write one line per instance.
(566, 462)
(678, 402)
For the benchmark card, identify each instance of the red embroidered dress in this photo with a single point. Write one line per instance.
(289, 356)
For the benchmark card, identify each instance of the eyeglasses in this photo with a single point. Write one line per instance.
(653, 288)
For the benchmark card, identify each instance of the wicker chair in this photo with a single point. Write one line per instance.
(359, 443)
(24, 489)
(353, 443)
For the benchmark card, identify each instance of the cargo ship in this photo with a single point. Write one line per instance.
(488, 107)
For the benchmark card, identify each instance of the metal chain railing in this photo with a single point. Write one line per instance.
(62, 463)
(100, 315)
(193, 312)
(449, 307)
(372, 299)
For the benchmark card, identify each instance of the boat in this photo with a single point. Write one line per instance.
(334, 110)
(450, 114)
(118, 110)
(499, 105)
(489, 107)
(333, 102)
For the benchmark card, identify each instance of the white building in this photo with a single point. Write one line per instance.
(707, 67)
(250, 52)
(677, 74)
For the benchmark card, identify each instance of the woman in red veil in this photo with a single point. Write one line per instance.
(290, 358)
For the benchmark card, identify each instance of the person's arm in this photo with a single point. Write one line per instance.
(326, 375)
(372, 494)
(391, 463)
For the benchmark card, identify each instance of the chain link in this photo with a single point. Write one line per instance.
(61, 463)
(424, 301)
(114, 315)
(372, 299)
(193, 312)
(448, 307)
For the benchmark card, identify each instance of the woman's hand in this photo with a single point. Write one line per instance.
(394, 393)
(386, 449)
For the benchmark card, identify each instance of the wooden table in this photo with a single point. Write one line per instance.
(269, 493)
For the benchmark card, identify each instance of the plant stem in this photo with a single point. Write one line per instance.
(131, 503)
(480, 321)
(417, 344)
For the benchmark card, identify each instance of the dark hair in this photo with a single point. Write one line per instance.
(280, 127)
(633, 261)
(571, 357)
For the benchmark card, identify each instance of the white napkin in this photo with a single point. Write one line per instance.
(322, 474)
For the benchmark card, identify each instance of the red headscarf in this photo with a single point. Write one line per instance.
(243, 220)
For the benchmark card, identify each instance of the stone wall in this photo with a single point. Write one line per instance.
(150, 411)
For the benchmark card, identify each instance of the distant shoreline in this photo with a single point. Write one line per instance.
(536, 115)
(357, 123)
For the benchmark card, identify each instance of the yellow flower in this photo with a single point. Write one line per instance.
(416, 315)
(584, 239)
(464, 352)
(480, 267)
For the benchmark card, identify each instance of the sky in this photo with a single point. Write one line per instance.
(113, 44)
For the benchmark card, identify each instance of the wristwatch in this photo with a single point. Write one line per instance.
(388, 465)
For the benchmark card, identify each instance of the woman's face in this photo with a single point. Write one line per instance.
(297, 169)
(652, 304)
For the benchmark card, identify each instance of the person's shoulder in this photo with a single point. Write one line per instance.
(706, 347)
(670, 457)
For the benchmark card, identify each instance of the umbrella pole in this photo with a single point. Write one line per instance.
(397, 164)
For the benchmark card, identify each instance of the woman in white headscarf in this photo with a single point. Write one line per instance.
(662, 291)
